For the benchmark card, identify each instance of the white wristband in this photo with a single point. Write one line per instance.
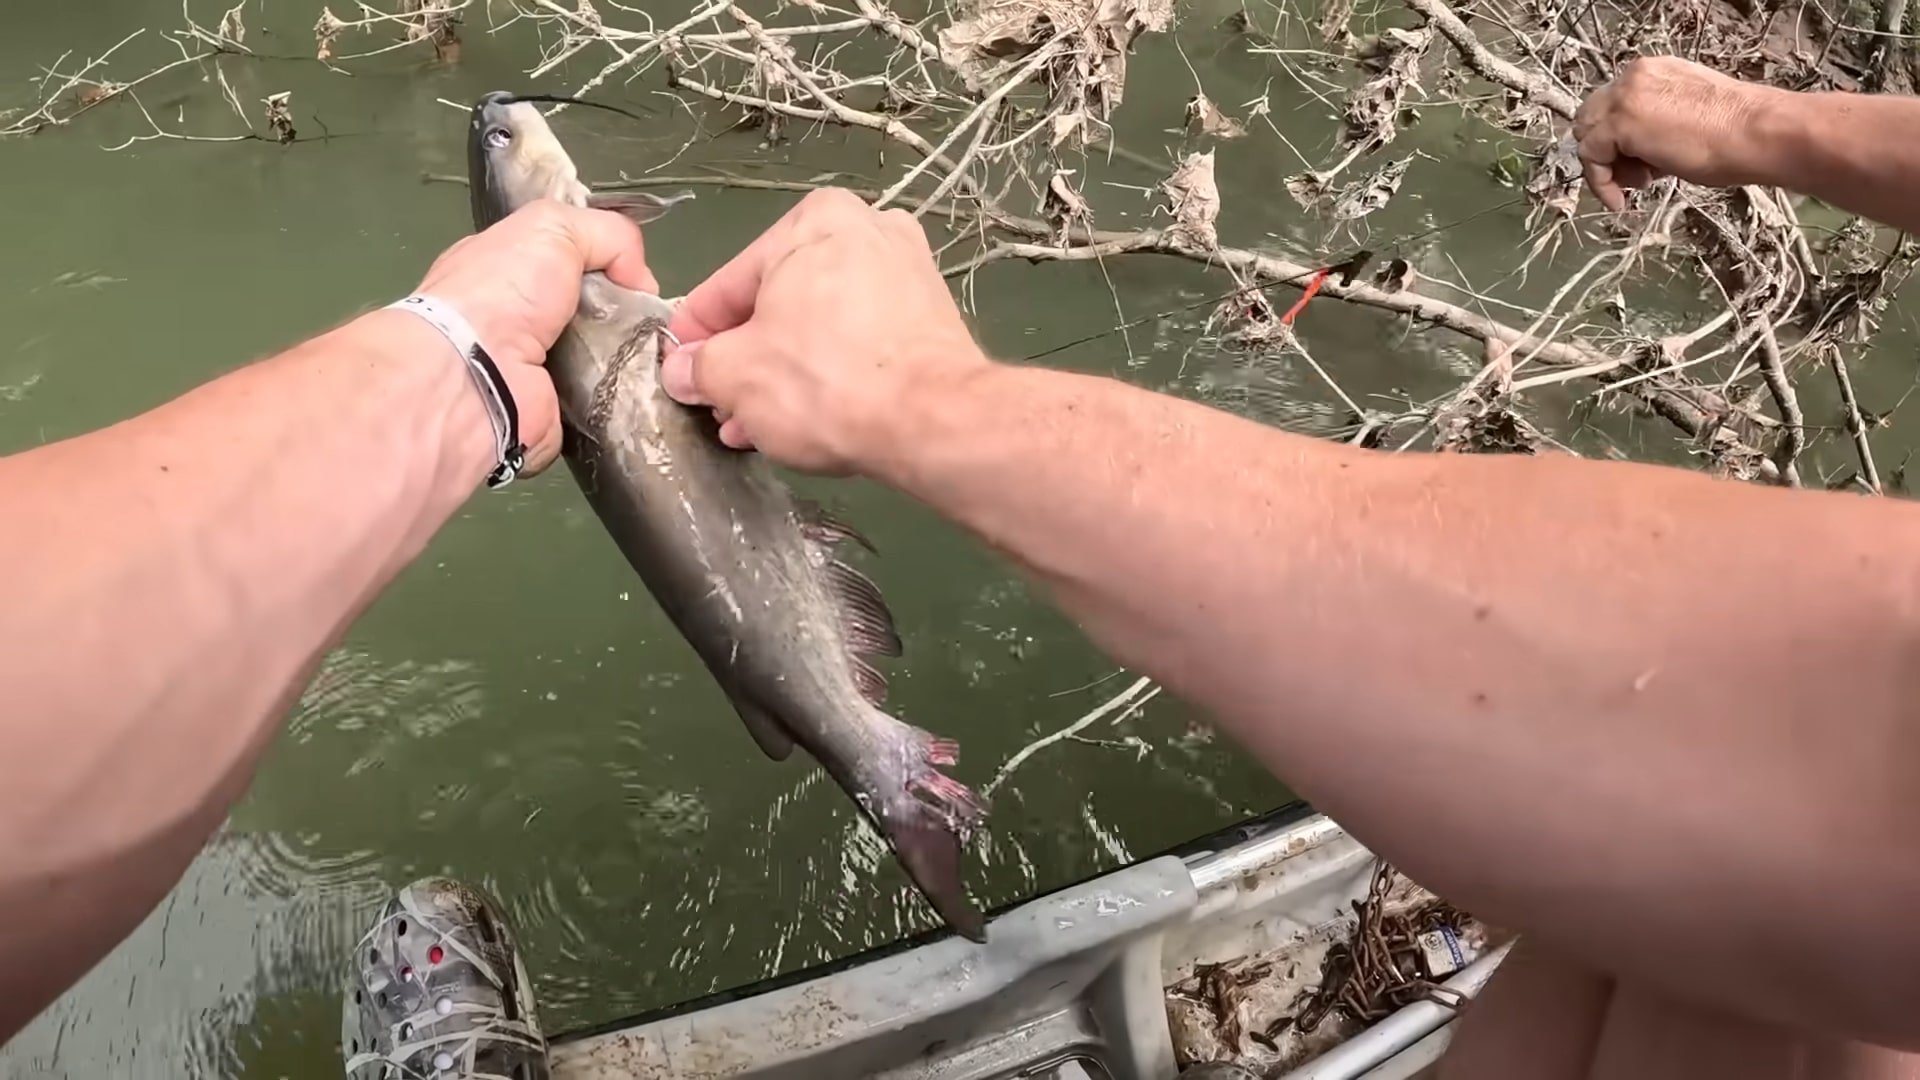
(501, 412)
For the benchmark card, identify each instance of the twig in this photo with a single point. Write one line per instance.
(43, 116)
(838, 110)
(1695, 410)
(981, 114)
(626, 58)
(1794, 438)
(1676, 345)
(1482, 60)
(890, 24)
(1129, 699)
(1856, 425)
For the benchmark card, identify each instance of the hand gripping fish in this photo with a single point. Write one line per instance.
(746, 572)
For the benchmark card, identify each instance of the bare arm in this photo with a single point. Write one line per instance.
(172, 581)
(1661, 721)
(1664, 115)
(1859, 152)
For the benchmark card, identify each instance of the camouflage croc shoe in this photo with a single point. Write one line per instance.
(437, 991)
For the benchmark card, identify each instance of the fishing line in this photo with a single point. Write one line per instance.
(563, 99)
(1390, 245)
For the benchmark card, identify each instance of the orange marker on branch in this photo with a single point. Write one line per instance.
(1347, 269)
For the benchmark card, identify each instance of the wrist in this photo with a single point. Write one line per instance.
(1773, 139)
(938, 412)
(437, 400)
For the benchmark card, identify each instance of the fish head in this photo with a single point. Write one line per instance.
(513, 158)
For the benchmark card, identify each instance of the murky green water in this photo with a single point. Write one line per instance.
(545, 732)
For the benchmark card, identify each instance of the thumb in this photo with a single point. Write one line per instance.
(677, 375)
(688, 375)
(708, 372)
(1605, 188)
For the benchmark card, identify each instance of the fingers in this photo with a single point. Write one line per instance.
(735, 436)
(611, 243)
(606, 241)
(1605, 188)
(688, 375)
(906, 229)
(1629, 173)
(726, 299)
(1595, 147)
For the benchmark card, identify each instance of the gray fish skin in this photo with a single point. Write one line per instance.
(748, 574)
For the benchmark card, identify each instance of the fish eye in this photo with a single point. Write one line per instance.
(497, 138)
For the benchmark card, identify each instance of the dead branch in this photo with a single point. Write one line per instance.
(1696, 410)
(1795, 437)
(980, 115)
(1125, 703)
(1856, 424)
(990, 94)
(88, 92)
(1533, 85)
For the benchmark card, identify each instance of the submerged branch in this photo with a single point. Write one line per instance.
(1126, 701)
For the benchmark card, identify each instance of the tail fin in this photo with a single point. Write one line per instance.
(928, 820)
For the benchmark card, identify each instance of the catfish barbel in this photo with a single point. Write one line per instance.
(747, 573)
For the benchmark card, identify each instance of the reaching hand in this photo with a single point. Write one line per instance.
(1665, 116)
(807, 342)
(518, 283)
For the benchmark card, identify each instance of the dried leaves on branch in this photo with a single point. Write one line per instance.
(996, 117)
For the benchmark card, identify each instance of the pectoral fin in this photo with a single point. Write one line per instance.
(642, 207)
(767, 732)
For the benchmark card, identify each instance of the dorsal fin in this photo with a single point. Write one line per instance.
(825, 529)
(863, 614)
(870, 681)
(865, 620)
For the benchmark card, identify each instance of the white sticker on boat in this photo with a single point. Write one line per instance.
(1442, 952)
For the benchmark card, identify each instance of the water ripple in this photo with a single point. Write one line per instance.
(178, 997)
(401, 700)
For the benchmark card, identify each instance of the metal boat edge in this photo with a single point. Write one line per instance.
(1070, 985)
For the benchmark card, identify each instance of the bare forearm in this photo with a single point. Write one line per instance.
(173, 581)
(1859, 152)
(1570, 695)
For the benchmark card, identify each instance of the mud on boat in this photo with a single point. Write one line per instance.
(1280, 945)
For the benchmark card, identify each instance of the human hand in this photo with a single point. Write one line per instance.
(518, 284)
(1661, 116)
(807, 343)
